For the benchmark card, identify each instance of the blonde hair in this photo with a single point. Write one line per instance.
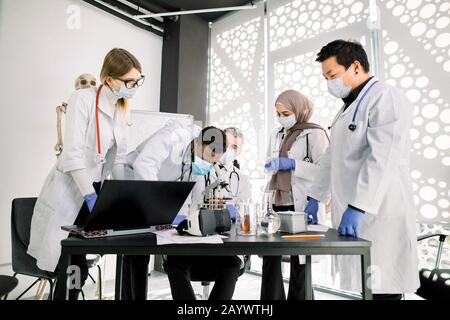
(117, 63)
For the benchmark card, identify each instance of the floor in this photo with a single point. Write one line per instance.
(247, 288)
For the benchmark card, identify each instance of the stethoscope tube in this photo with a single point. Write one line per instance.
(307, 158)
(352, 126)
(99, 148)
(234, 194)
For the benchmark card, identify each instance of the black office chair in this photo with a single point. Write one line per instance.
(207, 277)
(433, 282)
(7, 284)
(22, 262)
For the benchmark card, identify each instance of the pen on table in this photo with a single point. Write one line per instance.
(303, 236)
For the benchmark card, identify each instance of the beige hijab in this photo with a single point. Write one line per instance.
(302, 107)
(297, 103)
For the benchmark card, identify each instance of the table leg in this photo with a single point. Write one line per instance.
(119, 268)
(308, 279)
(365, 276)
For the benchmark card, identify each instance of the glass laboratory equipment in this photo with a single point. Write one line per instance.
(270, 221)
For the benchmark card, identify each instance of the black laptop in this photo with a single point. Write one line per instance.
(126, 207)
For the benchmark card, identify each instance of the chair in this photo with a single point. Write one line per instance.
(22, 262)
(435, 283)
(206, 278)
(7, 284)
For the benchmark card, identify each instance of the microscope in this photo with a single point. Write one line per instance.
(212, 216)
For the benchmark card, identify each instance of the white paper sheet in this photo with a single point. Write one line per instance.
(171, 236)
(317, 228)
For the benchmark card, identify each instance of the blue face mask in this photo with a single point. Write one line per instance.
(201, 167)
(124, 92)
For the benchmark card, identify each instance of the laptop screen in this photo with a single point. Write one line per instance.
(129, 204)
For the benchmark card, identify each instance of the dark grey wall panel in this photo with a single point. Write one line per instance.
(185, 67)
(193, 66)
(169, 68)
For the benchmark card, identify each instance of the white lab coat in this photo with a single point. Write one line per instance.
(369, 169)
(162, 156)
(238, 183)
(166, 156)
(303, 175)
(60, 199)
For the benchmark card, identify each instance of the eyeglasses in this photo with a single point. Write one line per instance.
(130, 84)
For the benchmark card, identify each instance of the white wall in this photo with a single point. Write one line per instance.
(40, 57)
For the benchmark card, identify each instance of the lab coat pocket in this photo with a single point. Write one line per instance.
(54, 188)
(356, 137)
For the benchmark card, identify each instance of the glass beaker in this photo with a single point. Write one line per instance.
(246, 219)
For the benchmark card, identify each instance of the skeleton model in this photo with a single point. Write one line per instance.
(82, 82)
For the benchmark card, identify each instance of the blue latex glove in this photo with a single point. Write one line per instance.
(350, 223)
(311, 210)
(272, 164)
(178, 219)
(233, 211)
(286, 164)
(90, 200)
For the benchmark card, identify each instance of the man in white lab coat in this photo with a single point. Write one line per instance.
(177, 153)
(180, 268)
(366, 171)
(239, 183)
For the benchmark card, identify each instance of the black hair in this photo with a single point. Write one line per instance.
(346, 52)
(214, 138)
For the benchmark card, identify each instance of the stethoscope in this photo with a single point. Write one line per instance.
(352, 126)
(100, 157)
(207, 177)
(238, 180)
(307, 158)
(185, 163)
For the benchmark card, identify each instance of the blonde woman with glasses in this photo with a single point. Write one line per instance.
(94, 147)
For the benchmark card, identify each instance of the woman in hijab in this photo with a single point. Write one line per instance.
(294, 153)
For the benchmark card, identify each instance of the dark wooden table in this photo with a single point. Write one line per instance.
(331, 244)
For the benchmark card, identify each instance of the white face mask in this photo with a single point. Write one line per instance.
(338, 88)
(287, 122)
(124, 92)
(228, 157)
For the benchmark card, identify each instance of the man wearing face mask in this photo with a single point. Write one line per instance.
(174, 153)
(366, 172)
(238, 183)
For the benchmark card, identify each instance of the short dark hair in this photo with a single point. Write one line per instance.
(346, 52)
(214, 138)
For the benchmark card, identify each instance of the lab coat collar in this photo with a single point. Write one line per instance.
(355, 92)
(361, 93)
(108, 101)
(366, 87)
